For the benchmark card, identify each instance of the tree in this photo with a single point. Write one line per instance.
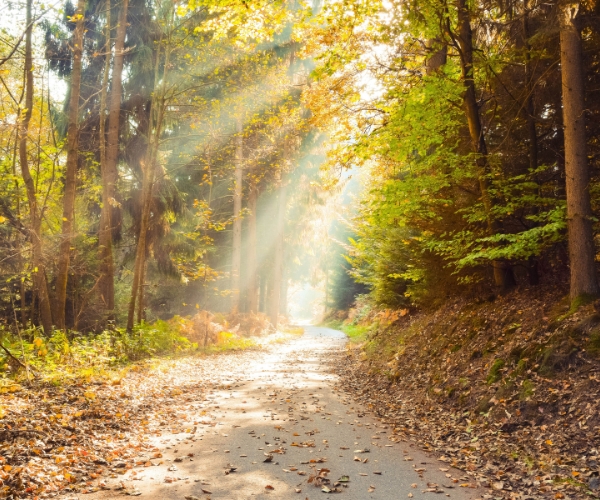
(109, 162)
(236, 254)
(35, 212)
(252, 261)
(149, 165)
(68, 219)
(584, 280)
(503, 274)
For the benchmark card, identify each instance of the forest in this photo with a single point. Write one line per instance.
(190, 176)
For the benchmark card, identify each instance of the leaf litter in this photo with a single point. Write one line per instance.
(70, 439)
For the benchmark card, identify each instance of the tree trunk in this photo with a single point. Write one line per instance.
(275, 295)
(584, 280)
(283, 295)
(35, 213)
(503, 273)
(236, 254)
(104, 222)
(140, 253)
(71, 170)
(529, 112)
(140, 313)
(252, 262)
(109, 166)
(262, 298)
(157, 110)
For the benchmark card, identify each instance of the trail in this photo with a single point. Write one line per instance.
(280, 421)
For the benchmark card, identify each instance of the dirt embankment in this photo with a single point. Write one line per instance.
(506, 389)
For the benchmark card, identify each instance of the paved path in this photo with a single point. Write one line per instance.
(281, 421)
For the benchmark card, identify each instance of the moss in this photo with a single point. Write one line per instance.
(455, 348)
(593, 346)
(521, 366)
(495, 371)
(557, 357)
(527, 389)
(513, 327)
(575, 304)
(582, 300)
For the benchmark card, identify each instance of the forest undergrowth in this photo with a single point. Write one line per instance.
(504, 388)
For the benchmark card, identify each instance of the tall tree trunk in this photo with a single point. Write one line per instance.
(18, 240)
(142, 292)
(252, 262)
(283, 293)
(503, 274)
(529, 112)
(275, 295)
(35, 212)
(71, 170)
(262, 298)
(584, 279)
(157, 111)
(140, 253)
(236, 254)
(109, 168)
(103, 245)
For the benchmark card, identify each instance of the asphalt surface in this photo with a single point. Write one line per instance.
(281, 420)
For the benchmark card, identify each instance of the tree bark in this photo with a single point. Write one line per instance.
(283, 295)
(275, 295)
(236, 254)
(584, 279)
(529, 112)
(35, 213)
(157, 111)
(140, 253)
(104, 222)
(262, 298)
(71, 170)
(503, 273)
(140, 313)
(109, 167)
(252, 261)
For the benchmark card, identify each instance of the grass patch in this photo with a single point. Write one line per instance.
(334, 324)
(356, 333)
(293, 330)
(228, 342)
(106, 357)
